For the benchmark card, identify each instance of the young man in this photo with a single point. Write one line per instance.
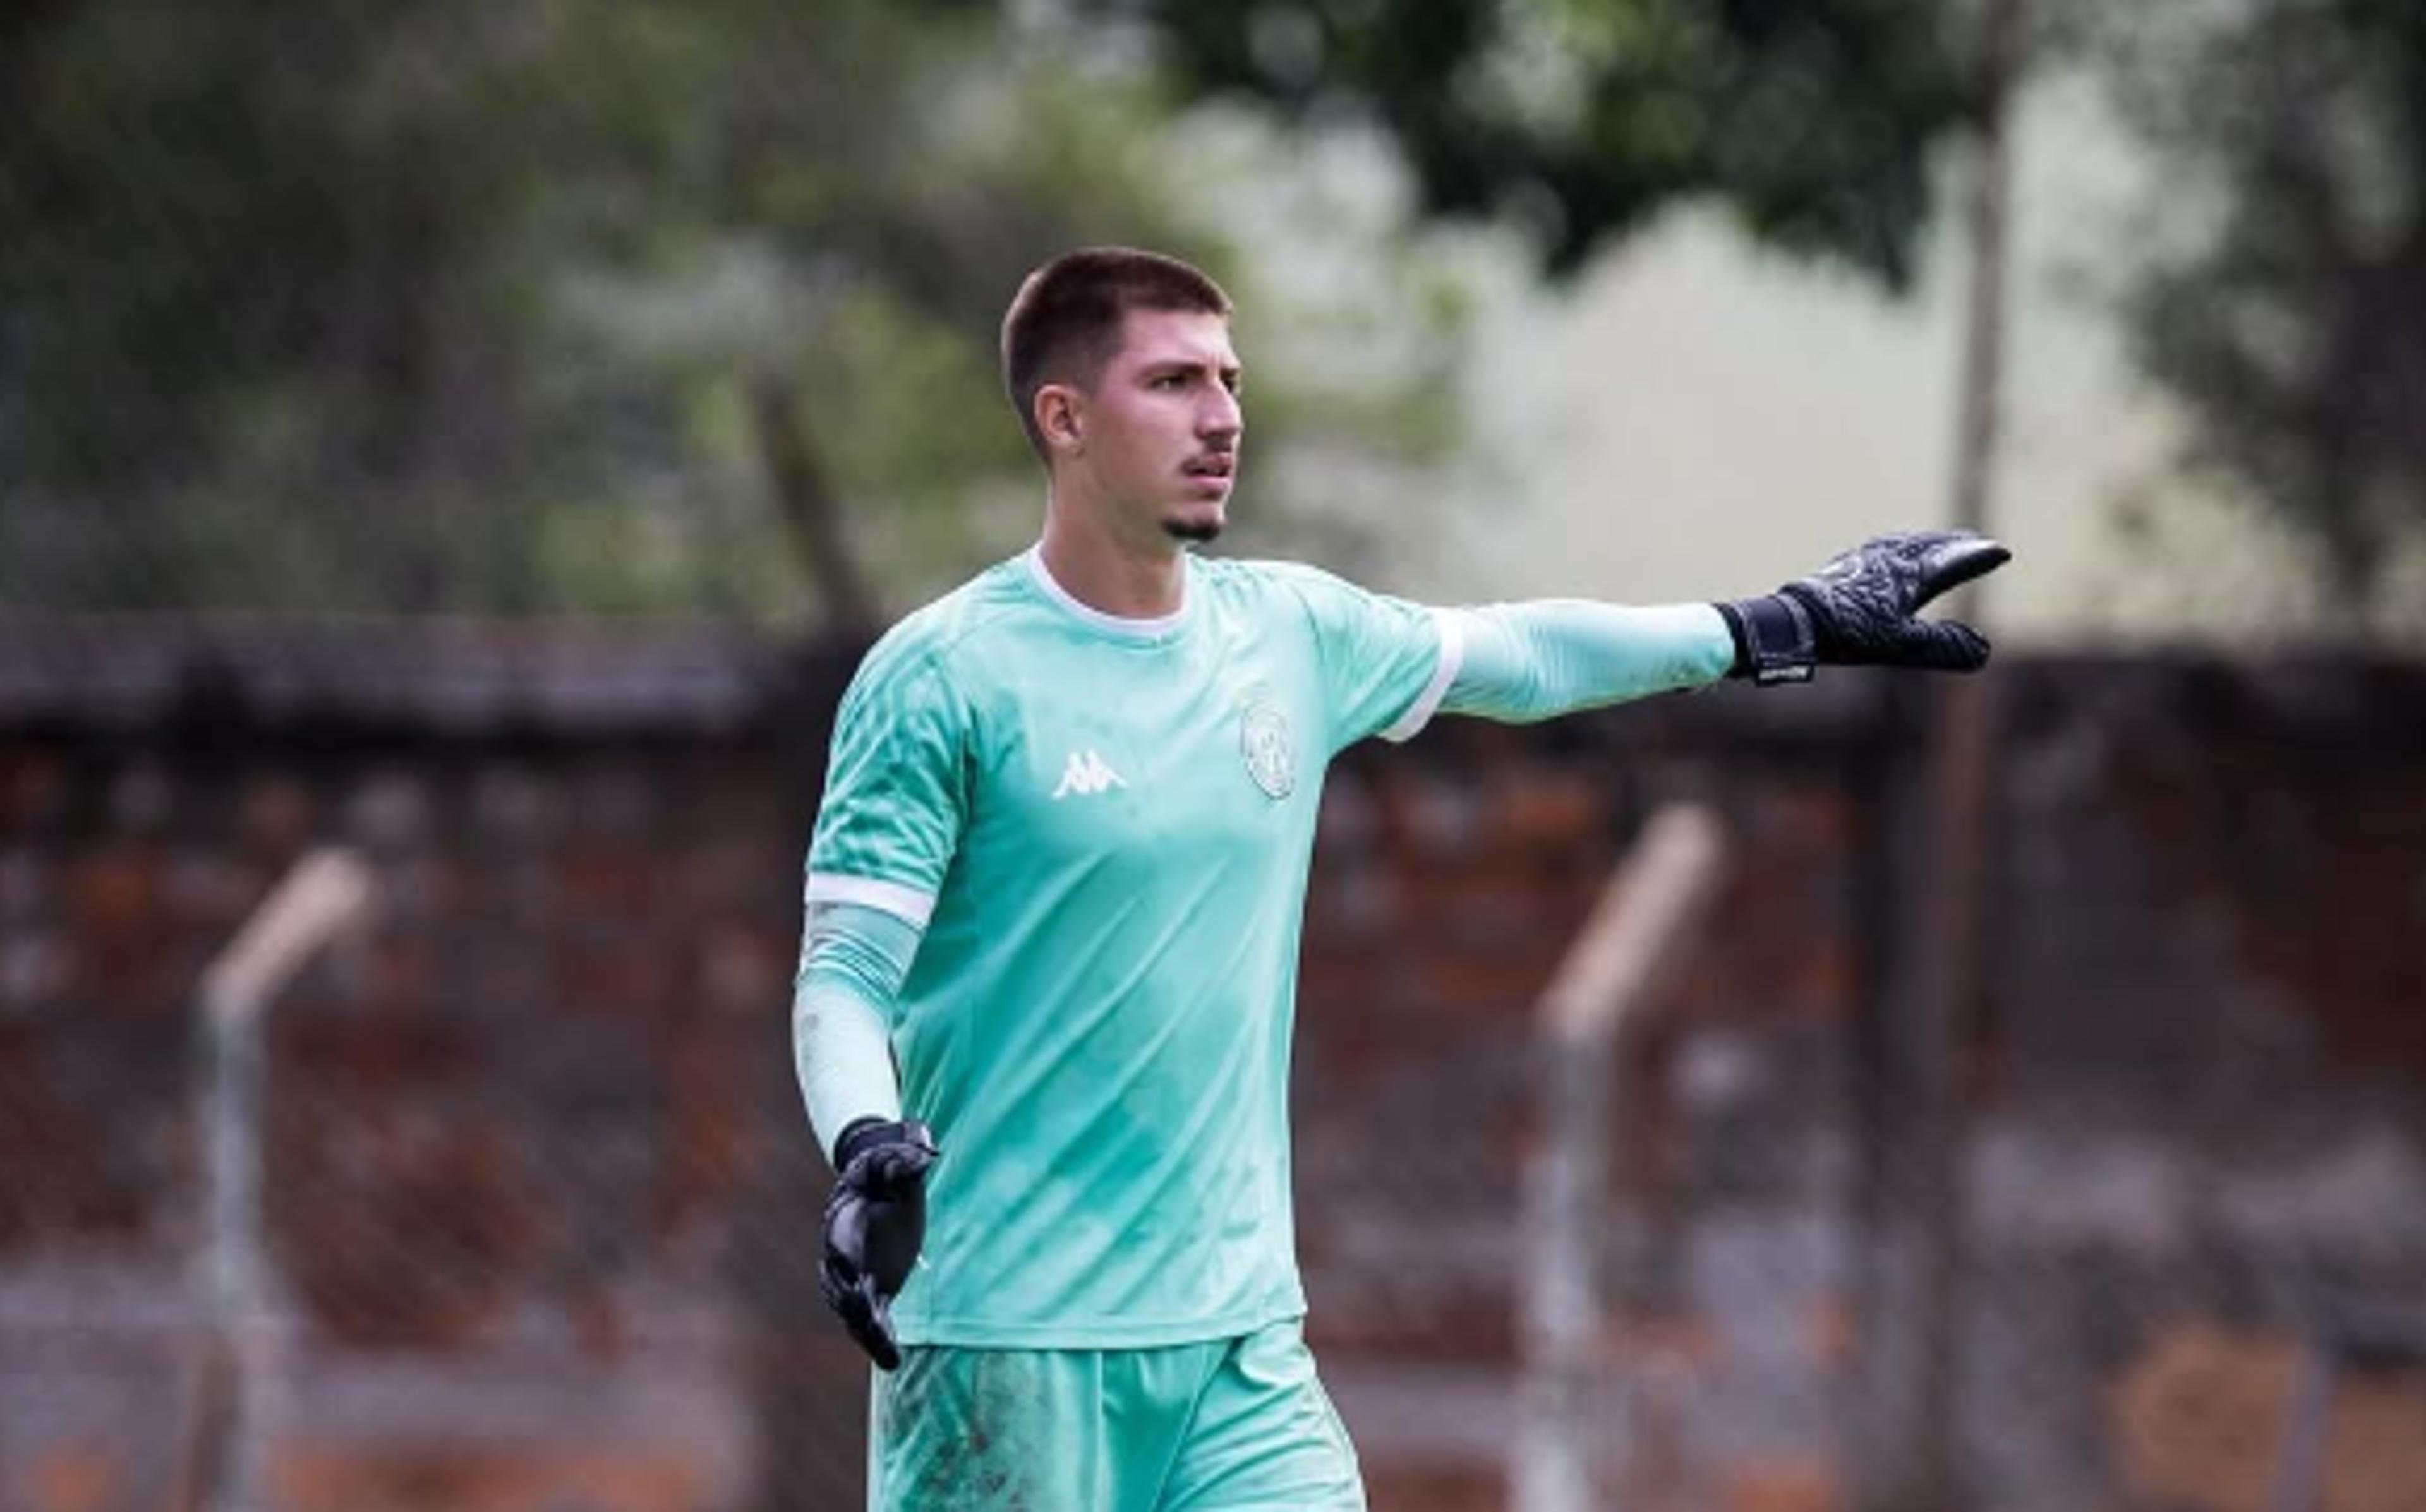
(1054, 898)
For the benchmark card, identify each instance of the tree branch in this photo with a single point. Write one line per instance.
(806, 500)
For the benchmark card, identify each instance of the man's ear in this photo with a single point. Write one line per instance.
(1060, 417)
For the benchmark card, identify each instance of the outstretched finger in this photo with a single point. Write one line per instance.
(1954, 557)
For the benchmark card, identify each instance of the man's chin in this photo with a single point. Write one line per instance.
(1194, 529)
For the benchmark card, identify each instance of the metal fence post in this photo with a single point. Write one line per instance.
(1568, 1445)
(223, 1462)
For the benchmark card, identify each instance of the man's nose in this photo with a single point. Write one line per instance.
(1221, 418)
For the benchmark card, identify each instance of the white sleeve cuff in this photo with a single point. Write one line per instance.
(908, 904)
(1428, 703)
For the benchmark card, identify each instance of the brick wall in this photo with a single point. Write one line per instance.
(542, 1202)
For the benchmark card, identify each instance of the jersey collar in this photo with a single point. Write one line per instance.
(1159, 628)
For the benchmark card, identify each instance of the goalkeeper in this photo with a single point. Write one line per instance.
(1044, 1014)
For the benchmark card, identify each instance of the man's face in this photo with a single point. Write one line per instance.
(1161, 425)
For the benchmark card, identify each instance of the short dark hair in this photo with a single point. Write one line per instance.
(1065, 322)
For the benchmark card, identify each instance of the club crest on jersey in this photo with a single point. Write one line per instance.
(1265, 746)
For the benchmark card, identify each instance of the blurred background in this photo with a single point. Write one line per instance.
(476, 440)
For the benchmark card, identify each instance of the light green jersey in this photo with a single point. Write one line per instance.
(1105, 826)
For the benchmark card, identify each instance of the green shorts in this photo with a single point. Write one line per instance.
(1230, 1425)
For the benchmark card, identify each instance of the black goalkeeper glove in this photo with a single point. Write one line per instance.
(1862, 608)
(875, 1221)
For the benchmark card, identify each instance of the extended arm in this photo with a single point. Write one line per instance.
(1519, 662)
(1522, 662)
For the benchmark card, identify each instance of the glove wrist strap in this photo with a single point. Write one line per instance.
(1775, 641)
(860, 1134)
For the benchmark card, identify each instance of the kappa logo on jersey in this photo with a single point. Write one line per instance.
(1087, 774)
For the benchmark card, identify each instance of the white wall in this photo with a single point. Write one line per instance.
(1695, 418)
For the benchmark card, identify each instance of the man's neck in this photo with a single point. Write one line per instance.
(1132, 581)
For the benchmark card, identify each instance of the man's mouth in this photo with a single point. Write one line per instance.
(1218, 464)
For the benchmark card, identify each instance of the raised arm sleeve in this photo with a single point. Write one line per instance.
(1526, 662)
(853, 961)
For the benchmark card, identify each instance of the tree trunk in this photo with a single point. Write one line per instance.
(1947, 958)
(811, 513)
(1946, 955)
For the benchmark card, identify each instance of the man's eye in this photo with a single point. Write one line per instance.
(1170, 380)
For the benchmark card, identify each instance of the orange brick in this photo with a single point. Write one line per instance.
(1430, 1489)
(1781, 1486)
(1829, 1327)
(75, 1478)
(486, 1478)
(1671, 1339)
(2197, 1419)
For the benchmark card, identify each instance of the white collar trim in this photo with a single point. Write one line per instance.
(1123, 625)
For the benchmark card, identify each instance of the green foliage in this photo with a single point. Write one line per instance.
(471, 305)
(258, 269)
(2285, 302)
(519, 306)
(1812, 121)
